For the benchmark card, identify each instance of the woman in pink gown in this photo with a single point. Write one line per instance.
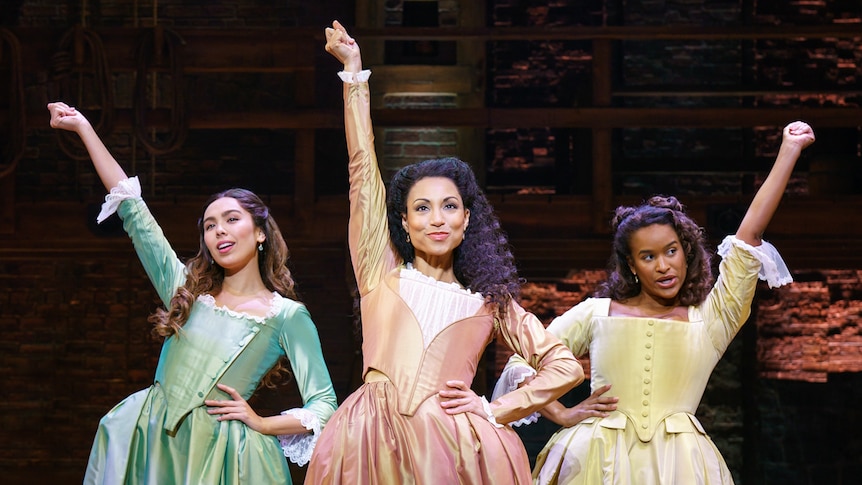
(437, 284)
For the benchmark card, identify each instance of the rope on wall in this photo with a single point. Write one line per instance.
(10, 52)
(160, 50)
(83, 79)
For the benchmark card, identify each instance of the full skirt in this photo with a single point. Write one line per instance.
(132, 447)
(589, 453)
(367, 441)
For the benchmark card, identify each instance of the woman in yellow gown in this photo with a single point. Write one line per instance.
(437, 284)
(655, 330)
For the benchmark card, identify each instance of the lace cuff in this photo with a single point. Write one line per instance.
(513, 375)
(126, 189)
(772, 267)
(487, 406)
(298, 447)
(355, 77)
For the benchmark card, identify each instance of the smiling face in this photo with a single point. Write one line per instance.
(231, 235)
(435, 219)
(658, 260)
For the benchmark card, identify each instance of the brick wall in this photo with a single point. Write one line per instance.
(74, 299)
(73, 303)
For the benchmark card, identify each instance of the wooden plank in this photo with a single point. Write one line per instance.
(423, 79)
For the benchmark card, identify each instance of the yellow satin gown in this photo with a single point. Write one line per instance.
(659, 369)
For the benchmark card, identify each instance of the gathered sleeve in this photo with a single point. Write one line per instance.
(163, 267)
(573, 330)
(557, 370)
(728, 304)
(371, 253)
(301, 344)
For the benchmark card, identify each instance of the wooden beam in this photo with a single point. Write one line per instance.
(204, 50)
(608, 117)
(628, 32)
(292, 49)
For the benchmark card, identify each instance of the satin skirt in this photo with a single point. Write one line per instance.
(132, 447)
(589, 453)
(367, 441)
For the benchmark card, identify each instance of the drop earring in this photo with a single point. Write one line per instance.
(408, 237)
(637, 281)
(260, 247)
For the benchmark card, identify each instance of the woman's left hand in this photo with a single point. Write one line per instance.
(459, 398)
(237, 409)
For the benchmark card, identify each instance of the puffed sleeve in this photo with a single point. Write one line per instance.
(573, 330)
(301, 344)
(163, 267)
(728, 304)
(371, 253)
(557, 370)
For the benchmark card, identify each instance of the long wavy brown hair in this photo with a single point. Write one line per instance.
(667, 210)
(204, 276)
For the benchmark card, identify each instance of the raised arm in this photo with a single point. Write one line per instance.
(343, 47)
(368, 232)
(65, 117)
(795, 138)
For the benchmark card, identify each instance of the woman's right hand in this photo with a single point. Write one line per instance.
(65, 117)
(595, 406)
(343, 47)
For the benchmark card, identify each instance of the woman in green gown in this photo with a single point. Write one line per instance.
(230, 317)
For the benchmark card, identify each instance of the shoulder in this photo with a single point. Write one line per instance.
(290, 312)
(591, 306)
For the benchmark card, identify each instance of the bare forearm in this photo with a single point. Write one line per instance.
(554, 411)
(282, 424)
(106, 166)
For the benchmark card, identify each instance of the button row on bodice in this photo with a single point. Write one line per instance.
(648, 354)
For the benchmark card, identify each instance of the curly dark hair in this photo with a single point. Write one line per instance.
(483, 262)
(667, 210)
(204, 276)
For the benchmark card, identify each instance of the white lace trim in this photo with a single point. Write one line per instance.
(209, 300)
(355, 77)
(773, 270)
(299, 447)
(436, 304)
(487, 406)
(129, 188)
(513, 375)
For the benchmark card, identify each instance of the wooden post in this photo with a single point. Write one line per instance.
(7, 204)
(303, 192)
(304, 195)
(603, 194)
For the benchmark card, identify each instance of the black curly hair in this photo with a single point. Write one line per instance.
(483, 262)
(667, 210)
